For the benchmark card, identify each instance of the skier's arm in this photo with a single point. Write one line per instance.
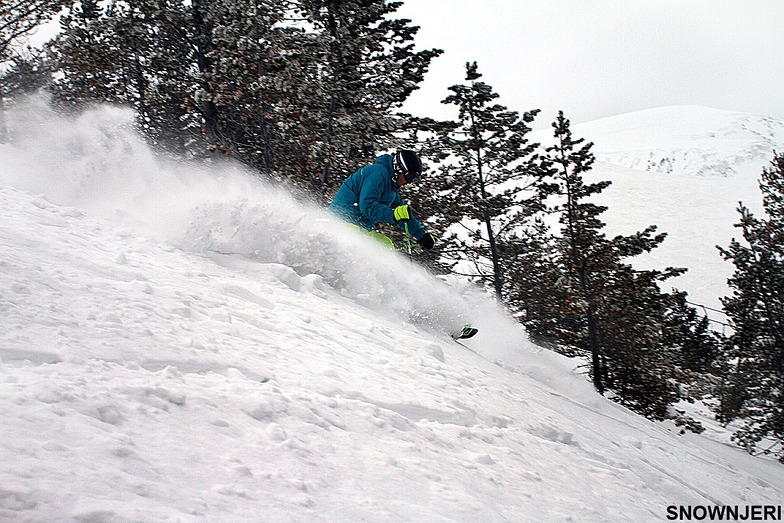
(371, 207)
(370, 200)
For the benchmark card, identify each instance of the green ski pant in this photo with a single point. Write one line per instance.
(382, 238)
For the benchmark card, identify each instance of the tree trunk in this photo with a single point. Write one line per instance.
(596, 351)
(497, 276)
(203, 40)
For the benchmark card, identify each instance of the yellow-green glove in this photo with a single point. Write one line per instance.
(401, 213)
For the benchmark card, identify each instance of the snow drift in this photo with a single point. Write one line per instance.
(180, 342)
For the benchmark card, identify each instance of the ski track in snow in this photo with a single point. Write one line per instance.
(174, 348)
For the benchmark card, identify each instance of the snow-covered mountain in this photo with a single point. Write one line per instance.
(686, 140)
(180, 342)
(684, 169)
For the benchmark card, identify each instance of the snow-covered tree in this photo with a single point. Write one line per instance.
(533, 287)
(367, 69)
(754, 391)
(488, 186)
(296, 89)
(19, 18)
(165, 59)
(25, 73)
(607, 308)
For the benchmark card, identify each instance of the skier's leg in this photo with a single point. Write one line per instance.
(382, 238)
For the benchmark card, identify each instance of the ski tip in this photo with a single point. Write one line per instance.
(468, 332)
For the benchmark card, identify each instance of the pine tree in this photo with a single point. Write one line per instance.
(292, 88)
(25, 74)
(607, 308)
(254, 73)
(535, 288)
(18, 18)
(755, 350)
(690, 336)
(128, 53)
(488, 188)
(169, 60)
(367, 69)
(584, 245)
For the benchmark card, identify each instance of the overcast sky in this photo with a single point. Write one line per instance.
(597, 58)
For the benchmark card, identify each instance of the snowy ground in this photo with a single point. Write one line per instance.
(181, 343)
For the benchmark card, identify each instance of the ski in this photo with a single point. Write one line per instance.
(467, 332)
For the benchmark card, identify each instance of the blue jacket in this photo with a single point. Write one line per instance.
(370, 195)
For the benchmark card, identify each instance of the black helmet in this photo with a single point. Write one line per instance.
(408, 164)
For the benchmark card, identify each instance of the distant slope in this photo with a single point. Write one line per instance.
(696, 212)
(684, 169)
(692, 140)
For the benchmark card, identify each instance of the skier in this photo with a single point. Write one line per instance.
(370, 195)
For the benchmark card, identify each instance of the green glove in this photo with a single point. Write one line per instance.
(401, 213)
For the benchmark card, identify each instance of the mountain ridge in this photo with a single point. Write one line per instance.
(683, 140)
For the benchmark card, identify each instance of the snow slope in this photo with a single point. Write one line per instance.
(684, 169)
(686, 140)
(179, 342)
(697, 213)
